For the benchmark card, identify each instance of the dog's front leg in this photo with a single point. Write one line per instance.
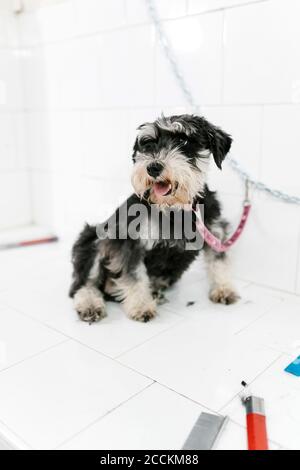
(221, 287)
(134, 289)
(219, 273)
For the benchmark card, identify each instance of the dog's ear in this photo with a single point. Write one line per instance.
(219, 144)
(210, 137)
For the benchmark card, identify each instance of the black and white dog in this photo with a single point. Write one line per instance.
(171, 158)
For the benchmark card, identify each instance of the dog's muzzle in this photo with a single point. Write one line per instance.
(160, 187)
(154, 169)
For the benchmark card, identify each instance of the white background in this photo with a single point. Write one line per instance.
(78, 76)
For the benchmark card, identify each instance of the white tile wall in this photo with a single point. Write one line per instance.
(7, 150)
(20, 140)
(41, 192)
(245, 126)
(14, 178)
(31, 5)
(260, 65)
(99, 152)
(34, 73)
(14, 198)
(267, 252)
(56, 21)
(90, 71)
(298, 274)
(5, 6)
(200, 6)
(81, 65)
(99, 15)
(55, 141)
(10, 79)
(129, 80)
(198, 44)
(8, 30)
(279, 147)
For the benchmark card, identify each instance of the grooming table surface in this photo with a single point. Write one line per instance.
(125, 385)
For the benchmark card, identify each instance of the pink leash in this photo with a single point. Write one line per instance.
(216, 244)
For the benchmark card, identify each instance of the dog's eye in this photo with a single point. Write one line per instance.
(147, 144)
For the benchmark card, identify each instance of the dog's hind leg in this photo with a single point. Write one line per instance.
(218, 269)
(88, 299)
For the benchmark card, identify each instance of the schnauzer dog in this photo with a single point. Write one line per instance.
(112, 261)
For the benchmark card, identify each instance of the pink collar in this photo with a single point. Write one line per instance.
(218, 245)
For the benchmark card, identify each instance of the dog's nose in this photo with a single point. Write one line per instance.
(155, 169)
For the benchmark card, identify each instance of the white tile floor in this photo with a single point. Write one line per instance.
(125, 385)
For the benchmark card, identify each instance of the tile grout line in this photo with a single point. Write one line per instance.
(71, 338)
(141, 107)
(13, 432)
(116, 358)
(267, 311)
(127, 26)
(149, 339)
(153, 381)
(28, 358)
(134, 396)
(36, 320)
(68, 338)
(274, 289)
(187, 398)
(105, 414)
(224, 8)
(251, 323)
(180, 320)
(280, 355)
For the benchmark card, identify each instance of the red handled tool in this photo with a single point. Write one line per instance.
(256, 422)
(38, 241)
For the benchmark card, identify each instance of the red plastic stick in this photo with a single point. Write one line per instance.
(256, 424)
(257, 432)
(38, 241)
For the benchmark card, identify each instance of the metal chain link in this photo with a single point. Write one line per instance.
(235, 165)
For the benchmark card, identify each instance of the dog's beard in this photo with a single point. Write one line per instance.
(177, 186)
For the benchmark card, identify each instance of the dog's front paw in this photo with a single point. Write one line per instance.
(89, 304)
(143, 314)
(91, 314)
(223, 295)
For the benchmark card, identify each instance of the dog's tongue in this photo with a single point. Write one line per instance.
(161, 189)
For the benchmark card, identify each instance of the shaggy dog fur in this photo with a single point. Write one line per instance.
(171, 158)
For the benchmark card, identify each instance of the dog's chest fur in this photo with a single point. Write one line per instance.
(173, 228)
(168, 256)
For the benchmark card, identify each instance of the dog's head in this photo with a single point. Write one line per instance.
(171, 157)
